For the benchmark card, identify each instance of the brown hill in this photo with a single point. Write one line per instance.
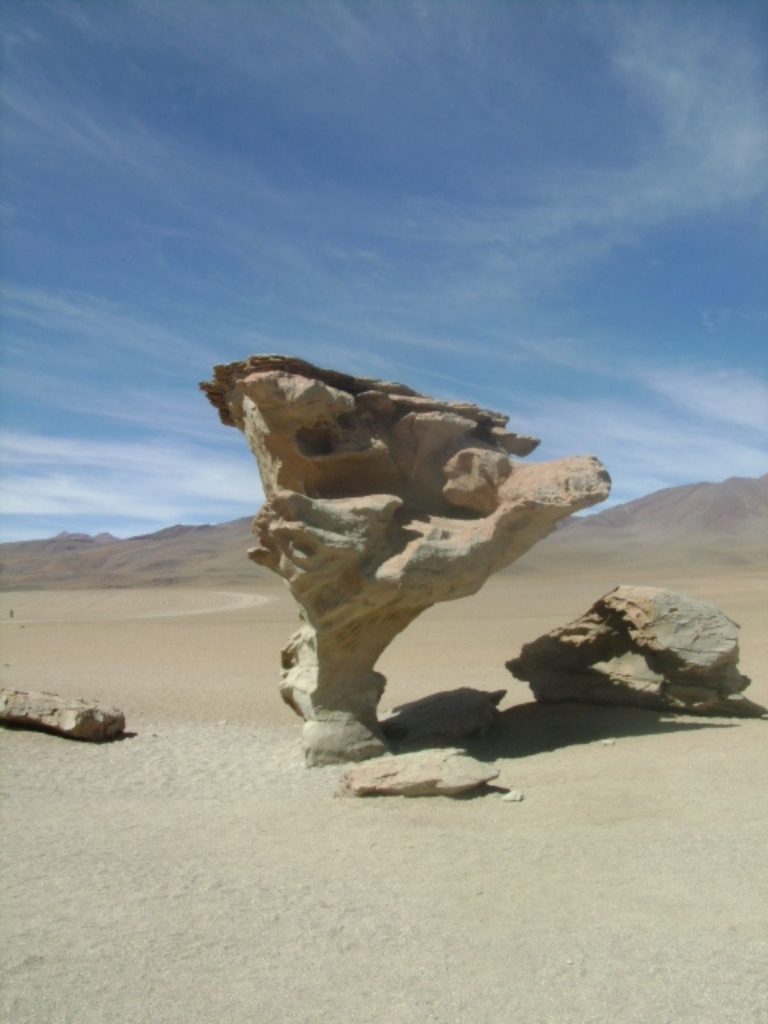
(191, 555)
(704, 525)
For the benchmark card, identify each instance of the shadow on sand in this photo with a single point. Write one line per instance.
(43, 731)
(535, 728)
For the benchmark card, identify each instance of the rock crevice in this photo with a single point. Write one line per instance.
(641, 646)
(379, 503)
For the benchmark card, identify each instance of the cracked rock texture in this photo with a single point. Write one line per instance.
(447, 772)
(641, 646)
(65, 716)
(379, 502)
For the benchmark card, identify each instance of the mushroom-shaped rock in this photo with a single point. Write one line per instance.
(379, 503)
(641, 646)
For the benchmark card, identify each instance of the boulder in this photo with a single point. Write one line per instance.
(450, 715)
(641, 646)
(65, 716)
(446, 772)
(380, 502)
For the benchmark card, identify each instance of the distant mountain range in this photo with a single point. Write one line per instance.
(720, 525)
(183, 555)
(723, 525)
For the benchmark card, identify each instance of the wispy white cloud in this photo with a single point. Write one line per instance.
(719, 318)
(96, 320)
(699, 93)
(155, 483)
(380, 187)
(501, 238)
(645, 446)
(726, 396)
(63, 122)
(489, 345)
(161, 413)
(704, 82)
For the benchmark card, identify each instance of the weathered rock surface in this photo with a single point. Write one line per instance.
(641, 646)
(446, 772)
(379, 503)
(450, 715)
(66, 716)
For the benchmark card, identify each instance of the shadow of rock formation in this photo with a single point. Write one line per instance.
(448, 715)
(529, 729)
(470, 719)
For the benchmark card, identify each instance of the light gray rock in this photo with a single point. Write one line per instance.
(65, 716)
(450, 715)
(642, 646)
(446, 772)
(326, 736)
(379, 503)
(513, 796)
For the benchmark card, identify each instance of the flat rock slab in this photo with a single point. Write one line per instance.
(451, 715)
(642, 646)
(447, 772)
(65, 716)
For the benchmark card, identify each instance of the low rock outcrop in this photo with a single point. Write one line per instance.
(447, 772)
(641, 646)
(65, 716)
(380, 502)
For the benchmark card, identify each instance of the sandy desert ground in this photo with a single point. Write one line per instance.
(197, 872)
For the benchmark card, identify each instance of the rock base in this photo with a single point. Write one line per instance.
(340, 739)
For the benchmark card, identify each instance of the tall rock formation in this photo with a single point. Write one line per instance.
(380, 502)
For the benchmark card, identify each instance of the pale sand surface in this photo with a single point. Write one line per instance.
(197, 872)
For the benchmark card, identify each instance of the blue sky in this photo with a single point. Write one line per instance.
(557, 210)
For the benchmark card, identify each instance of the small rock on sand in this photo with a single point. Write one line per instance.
(513, 796)
(447, 772)
(65, 716)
